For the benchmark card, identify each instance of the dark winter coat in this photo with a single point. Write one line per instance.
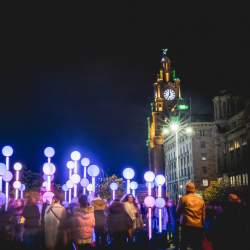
(32, 216)
(100, 216)
(118, 221)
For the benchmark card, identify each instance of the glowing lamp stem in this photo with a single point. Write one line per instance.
(84, 172)
(149, 223)
(159, 191)
(128, 186)
(65, 195)
(133, 192)
(70, 194)
(93, 183)
(48, 186)
(21, 195)
(160, 220)
(1, 183)
(7, 184)
(113, 194)
(149, 189)
(75, 190)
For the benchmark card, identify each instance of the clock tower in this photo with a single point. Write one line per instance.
(166, 95)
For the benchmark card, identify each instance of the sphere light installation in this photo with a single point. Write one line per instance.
(70, 185)
(49, 169)
(75, 156)
(113, 186)
(93, 171)
(65, 190)
(85, 163)
(149, 202)
(3, 170)
(7, 151)
(128, 174)
(17, 167)
(133, 186)
(84, 183)
(149, 177)
(160, 203)
(22, 189)
(49, 152)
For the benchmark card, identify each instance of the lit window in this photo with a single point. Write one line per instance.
(203, 158)
(236, 144)
(203, 144)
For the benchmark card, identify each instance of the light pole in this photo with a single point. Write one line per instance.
(49, 169)
(7, 151)
(128, 174)
(7, 178)
(85, 163)
(2, 173)
(133, 186)
(70, 165)
(75, 156)
(17, 184)
(113, 186)
(93, 171)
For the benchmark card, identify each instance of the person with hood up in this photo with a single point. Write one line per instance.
(81, 224)
(54, 217)
(100, 206)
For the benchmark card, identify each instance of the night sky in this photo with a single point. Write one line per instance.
(82, 77)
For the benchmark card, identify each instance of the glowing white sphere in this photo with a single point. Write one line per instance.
(84, 182)
(160, 203)
(75, 178)
(65, 188)
(45, 177)
(49, 152)
(17, 184)
(152, 185)
(22, 188)
(93, 170)
(3, 169)
(133, 185)
(8, 176)
(70, 165)
(113, 186)
(7, 151)
(90, 188)
(49, 168)
(18, 166)
(48, 196)
(160, 179)
(75, 156)
(128, 173)
(85, 162)
(70, 184)
(149, 201)
(149, 176)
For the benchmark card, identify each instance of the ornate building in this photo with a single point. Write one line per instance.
(166, 95)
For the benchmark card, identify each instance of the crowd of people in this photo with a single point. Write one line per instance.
(92, 222)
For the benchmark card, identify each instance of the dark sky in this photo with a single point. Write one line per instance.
(80, 77)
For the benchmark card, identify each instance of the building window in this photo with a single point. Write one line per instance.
(204, 156)
(203, 144)
(204, 170)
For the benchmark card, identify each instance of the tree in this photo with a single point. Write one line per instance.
(104, 190)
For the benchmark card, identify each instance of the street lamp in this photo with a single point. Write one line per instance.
(75, 156)
(149, 202)
(133, 186)
(70, 165)
(17, 184)
(85, 163)
(7, 151)
(49, 152)
(128, 174)
(84, 183)
(149, 177)
(49, 169)
(93, 171)
(70, 185)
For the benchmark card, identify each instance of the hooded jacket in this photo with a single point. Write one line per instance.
(82, 225)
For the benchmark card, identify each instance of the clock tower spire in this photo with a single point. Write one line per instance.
(166, 94)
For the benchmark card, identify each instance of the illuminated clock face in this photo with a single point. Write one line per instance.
(169, 94)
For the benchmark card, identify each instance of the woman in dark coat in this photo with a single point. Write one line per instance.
(118, 224)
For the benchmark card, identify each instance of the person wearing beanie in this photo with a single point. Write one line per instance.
(191, 209)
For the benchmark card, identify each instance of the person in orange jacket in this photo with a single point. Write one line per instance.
(191, 209)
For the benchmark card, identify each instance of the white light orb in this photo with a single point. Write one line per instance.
(3, 169)
(149, 201)
(166, 131)
(85, 162)
(93, 170)
(174, 126)
(70, 165)
(84, 182)
(75, 178)
(189, 130)
(90, 188)
(160, 179)
(45, 177)
(49, 168)
(17, 184)
(49, 152)
(128, 173)
(133, 185)
(75, 156)
(160, 203)
(65, 188)
(70, 184)
(7, 151)
(113, 186)
(8, 176)
(149, 176)
(152, 185)
(22, 188)
(48, 196)
(18, 166)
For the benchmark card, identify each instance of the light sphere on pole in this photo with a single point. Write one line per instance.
(17, 166)
(70, 165)
(128, 173)
(85, 162)
(22, 188)
(84, 182)
(7, 151)
(44, 184)
(93, 170)
(149, 201)
(113, 186)
(49, 152)
(90, 188)
(149, 176)
(75, 178)
(49, 168)
(152, 184)
(8, 176)
(45, 177)
(160, 179)
(70, 184)
(133, 185)
(65, 188)
(3, 169)
(75, 155)
(17, 184)
(160, 202)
